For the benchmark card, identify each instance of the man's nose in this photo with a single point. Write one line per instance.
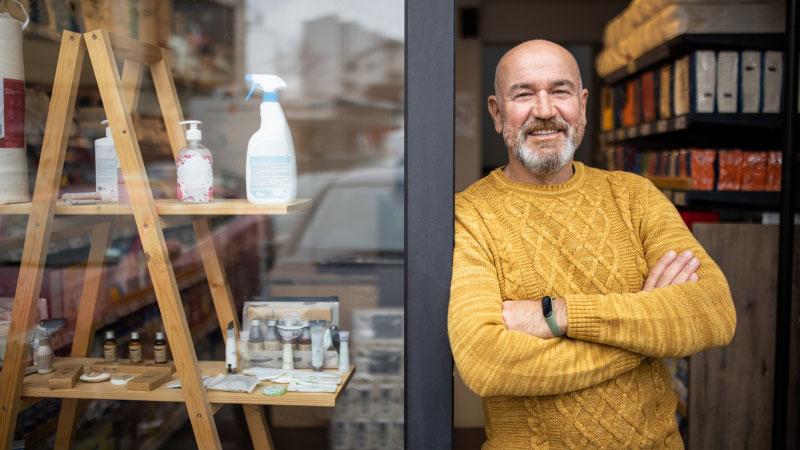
(543, 107)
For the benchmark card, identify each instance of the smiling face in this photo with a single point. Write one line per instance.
(539, 106)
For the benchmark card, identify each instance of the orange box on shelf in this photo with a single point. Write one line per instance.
(773, 178)
(649, 97)
(754, 171)
(730, 170)
(702, 168)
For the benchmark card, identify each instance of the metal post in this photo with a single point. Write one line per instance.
(784, 321)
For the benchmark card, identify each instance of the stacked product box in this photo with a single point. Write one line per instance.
(369, 414)
(703, 81)
(707, 169)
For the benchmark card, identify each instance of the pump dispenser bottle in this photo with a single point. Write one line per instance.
(195, 174)
(271, 172)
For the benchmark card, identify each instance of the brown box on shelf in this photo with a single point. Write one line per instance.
(649, 113)
(773, 177)
(684, 163)
(665, 92)
(631, 112)
(702, 168)
(730, 170)
(149, 380)
(754, 171)
(607, 108)
(125, 366)
(65, 377)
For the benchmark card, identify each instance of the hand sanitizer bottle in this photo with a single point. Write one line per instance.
(195, 174)
(271, 172)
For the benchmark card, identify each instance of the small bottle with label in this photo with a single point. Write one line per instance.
(160, 348)
(135, 348)
(195, 175)
(44, 356)
(110, 347)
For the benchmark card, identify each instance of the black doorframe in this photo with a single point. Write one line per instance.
(429, 88)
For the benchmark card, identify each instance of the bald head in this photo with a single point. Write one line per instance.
(535, 53)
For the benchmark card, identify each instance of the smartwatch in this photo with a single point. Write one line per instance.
(549, 317)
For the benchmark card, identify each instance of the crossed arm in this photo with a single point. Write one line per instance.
(683, 307)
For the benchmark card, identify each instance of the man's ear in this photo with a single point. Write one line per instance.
(584, 99)
(494, 110)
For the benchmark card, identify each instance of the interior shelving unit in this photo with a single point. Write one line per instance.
(726, 376)
(120, 95)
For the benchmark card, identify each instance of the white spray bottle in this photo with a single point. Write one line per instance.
(271, 173)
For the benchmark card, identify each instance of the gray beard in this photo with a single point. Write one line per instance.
(549, 163)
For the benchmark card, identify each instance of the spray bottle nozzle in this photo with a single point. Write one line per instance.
(193, 133)
(268, 84)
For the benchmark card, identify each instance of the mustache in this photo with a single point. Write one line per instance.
(533, 124)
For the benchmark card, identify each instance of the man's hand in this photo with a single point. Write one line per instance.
(673, 269)
(526, 316)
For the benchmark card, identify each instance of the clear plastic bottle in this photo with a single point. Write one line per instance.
(256, 344)
(194, 168)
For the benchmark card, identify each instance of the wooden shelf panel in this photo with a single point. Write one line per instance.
(681, 184)
(171, 207)
(36, 386)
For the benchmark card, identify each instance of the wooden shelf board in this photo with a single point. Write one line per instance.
(36, 386)
(171, 207)
(683, 184)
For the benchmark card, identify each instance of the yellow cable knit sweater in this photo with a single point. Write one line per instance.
(592, 241)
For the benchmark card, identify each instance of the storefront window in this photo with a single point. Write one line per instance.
(343, 67)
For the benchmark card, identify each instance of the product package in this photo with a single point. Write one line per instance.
(233, 383)
(773, 178)
(727, 82)
(607, 108)
(754, 171)
(702, 169)
(308, 308)
(665, 92)
(730, 170)
(631, 112)
(772, 83)
(649, 96)
(321, 310)
(750, 86)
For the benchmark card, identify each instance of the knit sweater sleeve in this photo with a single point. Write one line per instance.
(493, 360)
(672, 321)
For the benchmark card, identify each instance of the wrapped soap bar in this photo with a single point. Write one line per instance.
(754, 171)
(702, 169)
(730, 170)
(773, 178)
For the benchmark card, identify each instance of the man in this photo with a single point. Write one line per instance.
(626, 282)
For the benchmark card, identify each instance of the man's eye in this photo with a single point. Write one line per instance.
(522, 94)
(561, 92)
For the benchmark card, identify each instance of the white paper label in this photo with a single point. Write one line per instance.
(270, 176)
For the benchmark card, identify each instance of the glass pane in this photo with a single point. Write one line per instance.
(336, 259)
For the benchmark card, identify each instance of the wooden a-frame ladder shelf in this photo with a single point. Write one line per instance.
(120, 96)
